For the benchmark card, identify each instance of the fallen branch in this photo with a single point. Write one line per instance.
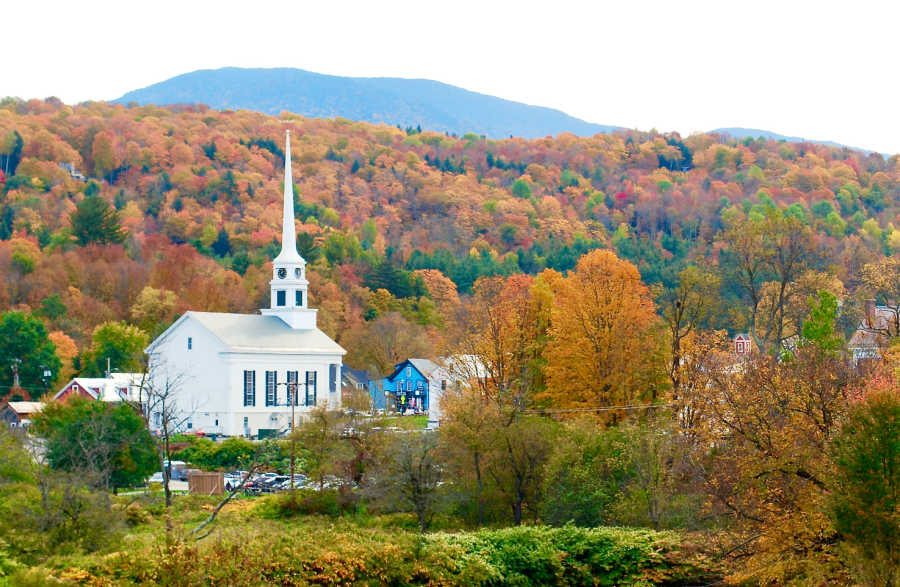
(212, 516)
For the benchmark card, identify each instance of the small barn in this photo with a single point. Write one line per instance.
(20, 414)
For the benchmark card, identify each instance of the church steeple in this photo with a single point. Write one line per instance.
(289, 285)
(288, 252)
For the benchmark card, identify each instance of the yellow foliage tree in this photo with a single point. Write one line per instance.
(604, 346)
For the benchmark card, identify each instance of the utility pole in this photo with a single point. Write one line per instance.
(293, 391)
(292, 399)
(15, 370)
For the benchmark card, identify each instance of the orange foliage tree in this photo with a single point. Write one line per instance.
(605, 345)
(501, 343)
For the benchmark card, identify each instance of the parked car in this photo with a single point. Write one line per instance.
(299, 482)
(177, 470)
(156, 478)
(232, 481)
(274, 483)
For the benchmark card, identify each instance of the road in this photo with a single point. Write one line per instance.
(181, 486)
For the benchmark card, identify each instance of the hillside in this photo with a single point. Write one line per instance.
(394, 101)
(392, 220)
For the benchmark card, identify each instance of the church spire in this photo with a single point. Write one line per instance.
(288, 252)
(289, 285)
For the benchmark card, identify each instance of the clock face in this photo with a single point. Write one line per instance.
(282, 273)
(298, 273)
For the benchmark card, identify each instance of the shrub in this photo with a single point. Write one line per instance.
(337, 552)
(136, 515)
(8, 564)
(539, 555)
(304, 502)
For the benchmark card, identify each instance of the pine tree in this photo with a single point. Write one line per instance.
(95, 221)
(222, 244)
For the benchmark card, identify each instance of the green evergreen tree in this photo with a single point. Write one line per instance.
(222, 244)
(7, 215)
(95, 221)
(11, 153)
(52, 307)
(240, 262)
(306, 246)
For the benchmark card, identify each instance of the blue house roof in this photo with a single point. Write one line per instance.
(425, 367)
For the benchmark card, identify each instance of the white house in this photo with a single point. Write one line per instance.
(879, 325)
(232, 374)
(115, 387)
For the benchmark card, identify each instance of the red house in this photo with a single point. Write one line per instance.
(115, 388)
(743, 344)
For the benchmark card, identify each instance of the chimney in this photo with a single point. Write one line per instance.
(870, 313)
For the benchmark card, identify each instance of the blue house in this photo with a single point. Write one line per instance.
(414, 386)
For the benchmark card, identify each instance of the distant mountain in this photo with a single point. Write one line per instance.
(395, 101)
(740, 133)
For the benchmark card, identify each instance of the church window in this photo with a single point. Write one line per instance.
(280, 297)
(298, 298)
(332, 378)
(311, 388)
(293, 390)
(409, 372)
(249, 388)
(271, 387)
(190, 343)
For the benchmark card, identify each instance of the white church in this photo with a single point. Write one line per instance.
(236, 373)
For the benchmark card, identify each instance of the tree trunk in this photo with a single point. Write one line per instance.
(517, 511)
(422, 519)
(479, 490)
(167, 472)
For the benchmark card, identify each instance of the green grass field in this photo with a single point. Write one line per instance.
(249, 547)
(418, 422)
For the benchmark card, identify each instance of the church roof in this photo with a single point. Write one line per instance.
(255, 333)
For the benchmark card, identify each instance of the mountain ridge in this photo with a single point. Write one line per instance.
(395, 101)
(403, 102)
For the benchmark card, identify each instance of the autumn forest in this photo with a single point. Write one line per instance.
(600, 280)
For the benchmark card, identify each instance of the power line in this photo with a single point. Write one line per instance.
(24, 388)
(595, 409)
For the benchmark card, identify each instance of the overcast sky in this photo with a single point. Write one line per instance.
(816, 70)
